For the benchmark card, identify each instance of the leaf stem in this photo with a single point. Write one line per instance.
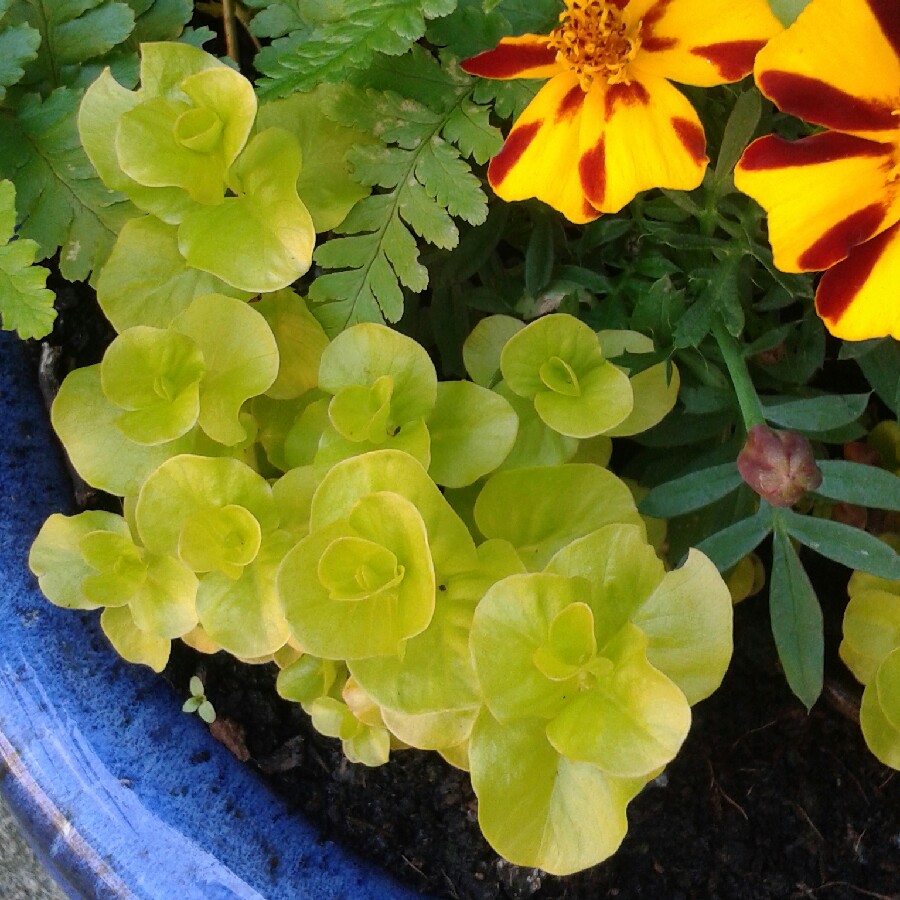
(748, 400)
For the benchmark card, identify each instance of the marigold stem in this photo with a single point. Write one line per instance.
(748, 399)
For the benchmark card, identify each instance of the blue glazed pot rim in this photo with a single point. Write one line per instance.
(121, 794)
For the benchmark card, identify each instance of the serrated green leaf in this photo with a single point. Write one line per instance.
(469, 127)
(796, 621)
(327, 52)
(449, 181)
(852, 547)
(26, 305)
(61, 200)
(426, 217)
(71, 35)
(18, 46)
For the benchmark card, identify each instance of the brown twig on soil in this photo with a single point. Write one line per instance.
(841, 699)
(809, 821)
(753, 731)
(853, 887)
(713, 783)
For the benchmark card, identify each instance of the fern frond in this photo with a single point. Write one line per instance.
(331, 49)
(421, 179)
(18, 46)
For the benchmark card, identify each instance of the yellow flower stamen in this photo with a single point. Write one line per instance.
(593, 41)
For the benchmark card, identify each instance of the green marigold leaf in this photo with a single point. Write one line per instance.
(61, 200)
(26, 305)
(337, 45)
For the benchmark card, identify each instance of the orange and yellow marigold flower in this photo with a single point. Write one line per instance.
(608, 123)
(833, 199)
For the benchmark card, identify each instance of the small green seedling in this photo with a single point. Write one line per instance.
(198, 703)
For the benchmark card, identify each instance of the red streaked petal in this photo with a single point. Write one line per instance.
(773, 152)
(837, 66)
(823, 103)
(692, 138)
(527, 56)
(842, 237)
(625, 95)
(732, 59)
(824, 194)
(859, 298)
(592, 172)
(698, 42)
(511, 151)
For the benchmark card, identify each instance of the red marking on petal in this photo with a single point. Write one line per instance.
(652, 16)
(627, 95)
(511, 152)
(571, 104)
(841, 238)
(887, 14)
(588, 210)
(732, 59)
(508, 60)
(822, 103)
(657, 44)
(692, 137)
(592, 172)
(841, 283)
(773, 152)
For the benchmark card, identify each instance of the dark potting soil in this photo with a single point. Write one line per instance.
(764, 801)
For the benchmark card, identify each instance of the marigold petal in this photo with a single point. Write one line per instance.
(526, 56)
(837, 66)
(541, 157)
(653, 138)
(824, 194)
(859, 298)
(695, 43)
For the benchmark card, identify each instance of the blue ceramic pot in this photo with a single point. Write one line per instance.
(120, 793)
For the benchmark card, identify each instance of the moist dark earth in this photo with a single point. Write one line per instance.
(764, 800)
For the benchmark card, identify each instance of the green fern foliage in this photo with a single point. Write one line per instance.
(18, 46)
(421, 180)
(345, 37)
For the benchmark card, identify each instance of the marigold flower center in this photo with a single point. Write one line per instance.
(593, 41)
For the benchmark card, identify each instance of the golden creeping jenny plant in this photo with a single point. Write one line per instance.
(447, 561)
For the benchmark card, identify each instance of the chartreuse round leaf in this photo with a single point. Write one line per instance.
(556, 361)
(362, 412)
(120, 570)
(165, 65)
(175, 499)
(300, 339)
(146, 281)
(240, 359)
(56, 557)
(261, 239)
(472, 431)
(536, 443)
(130, 642)
(166, 604)
(540, 510)
(307, 678)
(621, 567)
(293, 494)
(430, 695)
(243, 614)
(325, 184)
(537, 808)
(655, 389)
(879, 713)
(189, 140)
(511, 645)
(482, 348)
(626, 718)
(871, 630)
(219, 539)
(411, 438)
(452, 547)
(688, 622)
(363, 584)
(364, 353)
(154, 376)
(103, 456)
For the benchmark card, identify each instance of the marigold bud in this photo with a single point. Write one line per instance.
(778, 465)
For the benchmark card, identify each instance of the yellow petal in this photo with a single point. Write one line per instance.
(653, 138)
(541, 155)
(838, 66)
(860, 297)
(699, 43)
(824, 195)
(526, 56)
